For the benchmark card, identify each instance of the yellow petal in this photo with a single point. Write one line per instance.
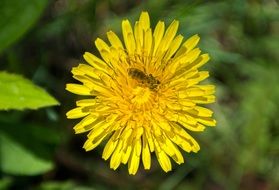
(138, 37)
(144, 20)
(158, 35)
(164, 161)
(188, 45)
(114, 40)
(191, 42)
(85, 124)
(128, 36)
(173, 47)
(77, 71)
(203, 99)
(133, 163)
(78, 89)
(186, 119)
(103, 49)
(86, 70)
(148, 41)
(201, 111)
(200, 61)
(146, 157)
(187, 140)
(184, 61)
(109, 148)
(90, 144)
(194, 127)
(126, 155)
(173, 151)
(115, 160)
(87, 81)
(207, 121)
(86, 102)
(168, 37)
(209, 89)
(138, 146)
(200, 76)
(96, 62)
(76, 113)
(191, 56)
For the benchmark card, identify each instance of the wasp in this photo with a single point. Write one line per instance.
(147, 80)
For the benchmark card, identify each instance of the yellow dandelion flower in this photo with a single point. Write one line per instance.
(143, 95)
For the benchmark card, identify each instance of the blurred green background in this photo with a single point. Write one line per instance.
(42, 40)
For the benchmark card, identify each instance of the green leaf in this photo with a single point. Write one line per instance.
(16, 159)
(54, 185)
(64, 185)
(25, 148)
(16, 18)
(19, 93)
(5, 183)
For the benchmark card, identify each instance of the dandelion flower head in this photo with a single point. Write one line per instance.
(143, 95)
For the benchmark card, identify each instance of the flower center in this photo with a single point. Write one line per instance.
(141, 95)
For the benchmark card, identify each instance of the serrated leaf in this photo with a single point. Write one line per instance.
(16, 159)
(17, 17)
(19, 93)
